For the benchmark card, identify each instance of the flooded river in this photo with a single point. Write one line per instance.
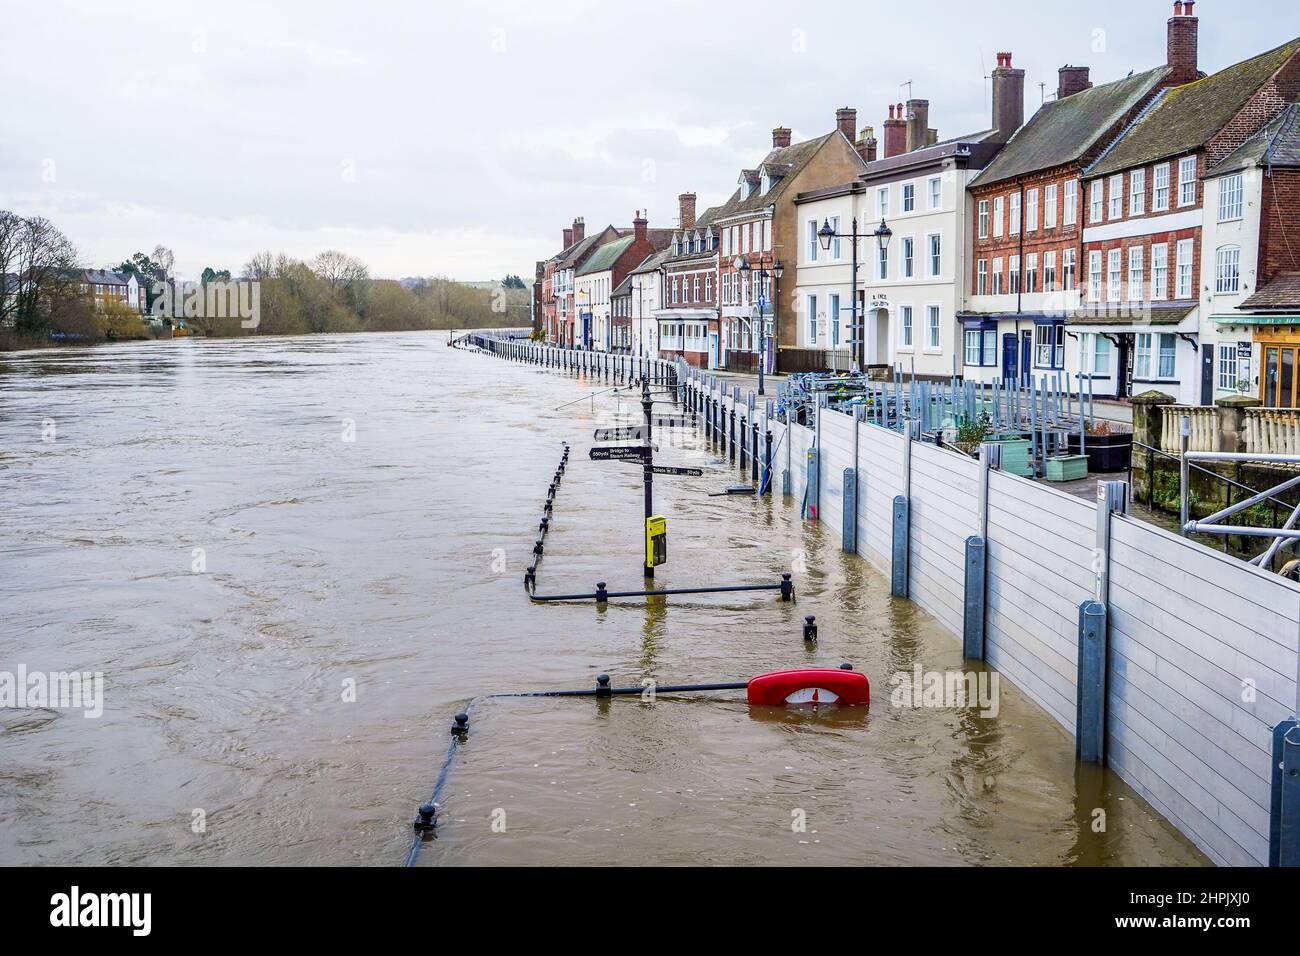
(294, 559)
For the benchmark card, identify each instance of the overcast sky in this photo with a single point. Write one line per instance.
(459, 138)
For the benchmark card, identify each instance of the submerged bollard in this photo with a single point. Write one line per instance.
(602, 593)
(602, 686)
(787, 587)
(810, 628)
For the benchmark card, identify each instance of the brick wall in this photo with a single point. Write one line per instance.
(1145, 243)
(1279, 228)
(1041, 240)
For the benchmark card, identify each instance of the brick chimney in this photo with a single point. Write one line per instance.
(568, 237)
(918, 124)
(1008, 99)
(846, 119)
(579, 229)
(781, 137)
(1183, 30)
(1071, 80)
(686, 210)
(639, 228)
(866, 145)
(895, 132)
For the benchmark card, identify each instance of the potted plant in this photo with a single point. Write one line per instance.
(1108, 447)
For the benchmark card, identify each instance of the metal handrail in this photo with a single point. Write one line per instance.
(1206, 471)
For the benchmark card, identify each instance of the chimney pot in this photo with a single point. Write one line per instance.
(1183, 41)
(686, 210)
(1008, 98)
(846, 119)
(918, 123)
(781, 137)
(895, 132)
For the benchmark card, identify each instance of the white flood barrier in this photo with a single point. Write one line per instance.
(1201, 649)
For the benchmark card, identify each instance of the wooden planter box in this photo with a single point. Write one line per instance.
(1105, 452)
(1015, 456)
(1067, 468)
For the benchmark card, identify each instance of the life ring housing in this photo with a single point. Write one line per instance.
(811, 685)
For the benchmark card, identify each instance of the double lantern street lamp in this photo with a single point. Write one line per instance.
(742, 265)
(883, 234)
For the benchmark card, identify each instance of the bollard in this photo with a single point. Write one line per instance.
(427, 821)
(544, 526)
(530, 576)
(753, 452)
(461, 726)
(1284, 815)
(812, 495)
(537, 548)
(731, 445)
(767, 463)
(602, 595)
(810, 628)
(787, 587)
(1090, 710)
(973, 617)
(602, 686)
(744, 444)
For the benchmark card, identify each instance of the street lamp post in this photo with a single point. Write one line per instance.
(882, 234)
(742, 265)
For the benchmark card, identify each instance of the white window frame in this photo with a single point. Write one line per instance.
(984, 219)
(999, 205)
(1160, 188)
(1186, 181)
(1114, 274)
(933, 326)
(906, 334)
(1137, 192)
(907, 257)
(1049, 206)
(982, 277)
(1013, 227)
(1186, 287)
(1136, 274)
(1070, 205)
(813, 241)
(1031, 210)
(935, 192)
(1115, 197)
(882, 202)
(908, 198)
(1094, 275)
(1227, 270)
(1159, 271)
(1231, 197)
(1096, 201)
(934, 255)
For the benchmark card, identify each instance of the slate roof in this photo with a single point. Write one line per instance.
(623, 288)
(1282, 293)
(606, 255)
(1160, 315)
(652, 261)
(1276, 144)
(702, 225)
(1064, 131)
(107, 277)
(1186, 117)
(796, 157)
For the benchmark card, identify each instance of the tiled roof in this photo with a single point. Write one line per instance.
(796, 157)
(1282, 293)
(1276, 144)
(702, 225)
(1188, 116)
(1064, 131)
(652, 261)
(606, 255)
(624, 287)
(1159, 315)
(107, 277)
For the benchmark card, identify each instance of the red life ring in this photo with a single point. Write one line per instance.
(813, 685)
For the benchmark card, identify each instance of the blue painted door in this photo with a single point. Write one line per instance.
(1009, 352)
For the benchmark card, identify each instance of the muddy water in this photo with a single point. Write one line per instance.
(243, 537)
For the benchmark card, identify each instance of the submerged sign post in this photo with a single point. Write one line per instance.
(621, 453)
(627, 433)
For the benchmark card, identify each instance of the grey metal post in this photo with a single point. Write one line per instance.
(849, 524)
(1284, 815)
(1094, 632)
(900, 576)
(1184, 472)
(975, 616)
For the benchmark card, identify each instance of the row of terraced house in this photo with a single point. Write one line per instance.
(1139, 234)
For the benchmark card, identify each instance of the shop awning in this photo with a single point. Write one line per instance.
(1245, 318)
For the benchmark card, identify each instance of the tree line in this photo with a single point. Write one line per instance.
(41, 299)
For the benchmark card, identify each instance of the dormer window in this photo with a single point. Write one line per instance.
(764, 183)
(746, 187)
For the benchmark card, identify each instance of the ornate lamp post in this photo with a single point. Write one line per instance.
(742, 265)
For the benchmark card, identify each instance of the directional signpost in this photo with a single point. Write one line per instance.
(621, 453)
(670, 470)
(628, 433)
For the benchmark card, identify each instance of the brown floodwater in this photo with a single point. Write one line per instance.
(365, 507)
